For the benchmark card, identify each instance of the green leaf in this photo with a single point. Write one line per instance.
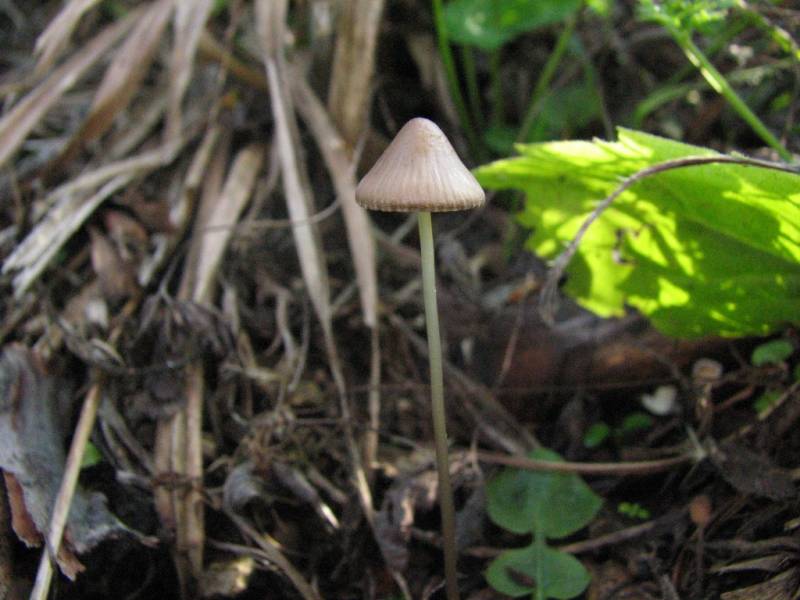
(771, 353)
(91, 456)
(766, 401)
(711, 249)
(569, 108)
(704, 16)
(489, 25)
(604, 8)
(555, 504)
(634, 510)
(500, 138)
(596, 435)
(514, 573)
(634, 422)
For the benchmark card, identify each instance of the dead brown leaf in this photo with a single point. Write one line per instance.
(32, 458)
(396, 516)
(752, 473)
(116, 276)
(784, 586)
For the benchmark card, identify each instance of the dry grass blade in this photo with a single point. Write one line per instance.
(123, 77)
(342, 171)
(210, 49)
(353, 63)
(21, 119)
(271, 550)
(52, 41)
(270, 22)
(74, 203)
(212, 234)
(44, 242)
(189, 24)
(348, 102)
(217, 217)
(66, 491)
(341, 166)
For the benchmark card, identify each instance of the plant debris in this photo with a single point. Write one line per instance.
(194, 303)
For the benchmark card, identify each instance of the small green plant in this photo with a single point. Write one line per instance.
(681, 18)
(477, 27)
(633, 510)
(766, 401)
(489, 25)
(548, 506)
(773, 352)
(596, 435)
(599, 433)
(633, 423)
(91, 456)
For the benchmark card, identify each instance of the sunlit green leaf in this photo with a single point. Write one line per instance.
(711, 249)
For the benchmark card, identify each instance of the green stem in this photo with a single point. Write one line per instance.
(437, 404)
(452, 80)
(546, 77)
(718, 82)
(497, 115)
(471, 78)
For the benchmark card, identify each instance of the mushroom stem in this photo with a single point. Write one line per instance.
(437, 403)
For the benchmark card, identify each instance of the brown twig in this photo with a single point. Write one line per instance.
(644, 467)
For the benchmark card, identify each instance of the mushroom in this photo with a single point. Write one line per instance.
(420, 172)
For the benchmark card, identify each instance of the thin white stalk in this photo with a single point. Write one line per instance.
(437, 404)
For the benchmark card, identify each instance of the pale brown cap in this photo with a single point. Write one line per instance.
(419, 171)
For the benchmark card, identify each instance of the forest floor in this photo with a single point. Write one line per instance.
(236, 353)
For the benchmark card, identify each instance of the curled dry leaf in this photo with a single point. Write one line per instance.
(116, 275)
(241, 486)
(129, 236)
(32, 458)
(394, 520)
(227, 578)
(246, 483)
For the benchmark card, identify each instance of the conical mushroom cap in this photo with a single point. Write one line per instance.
(419, 171)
